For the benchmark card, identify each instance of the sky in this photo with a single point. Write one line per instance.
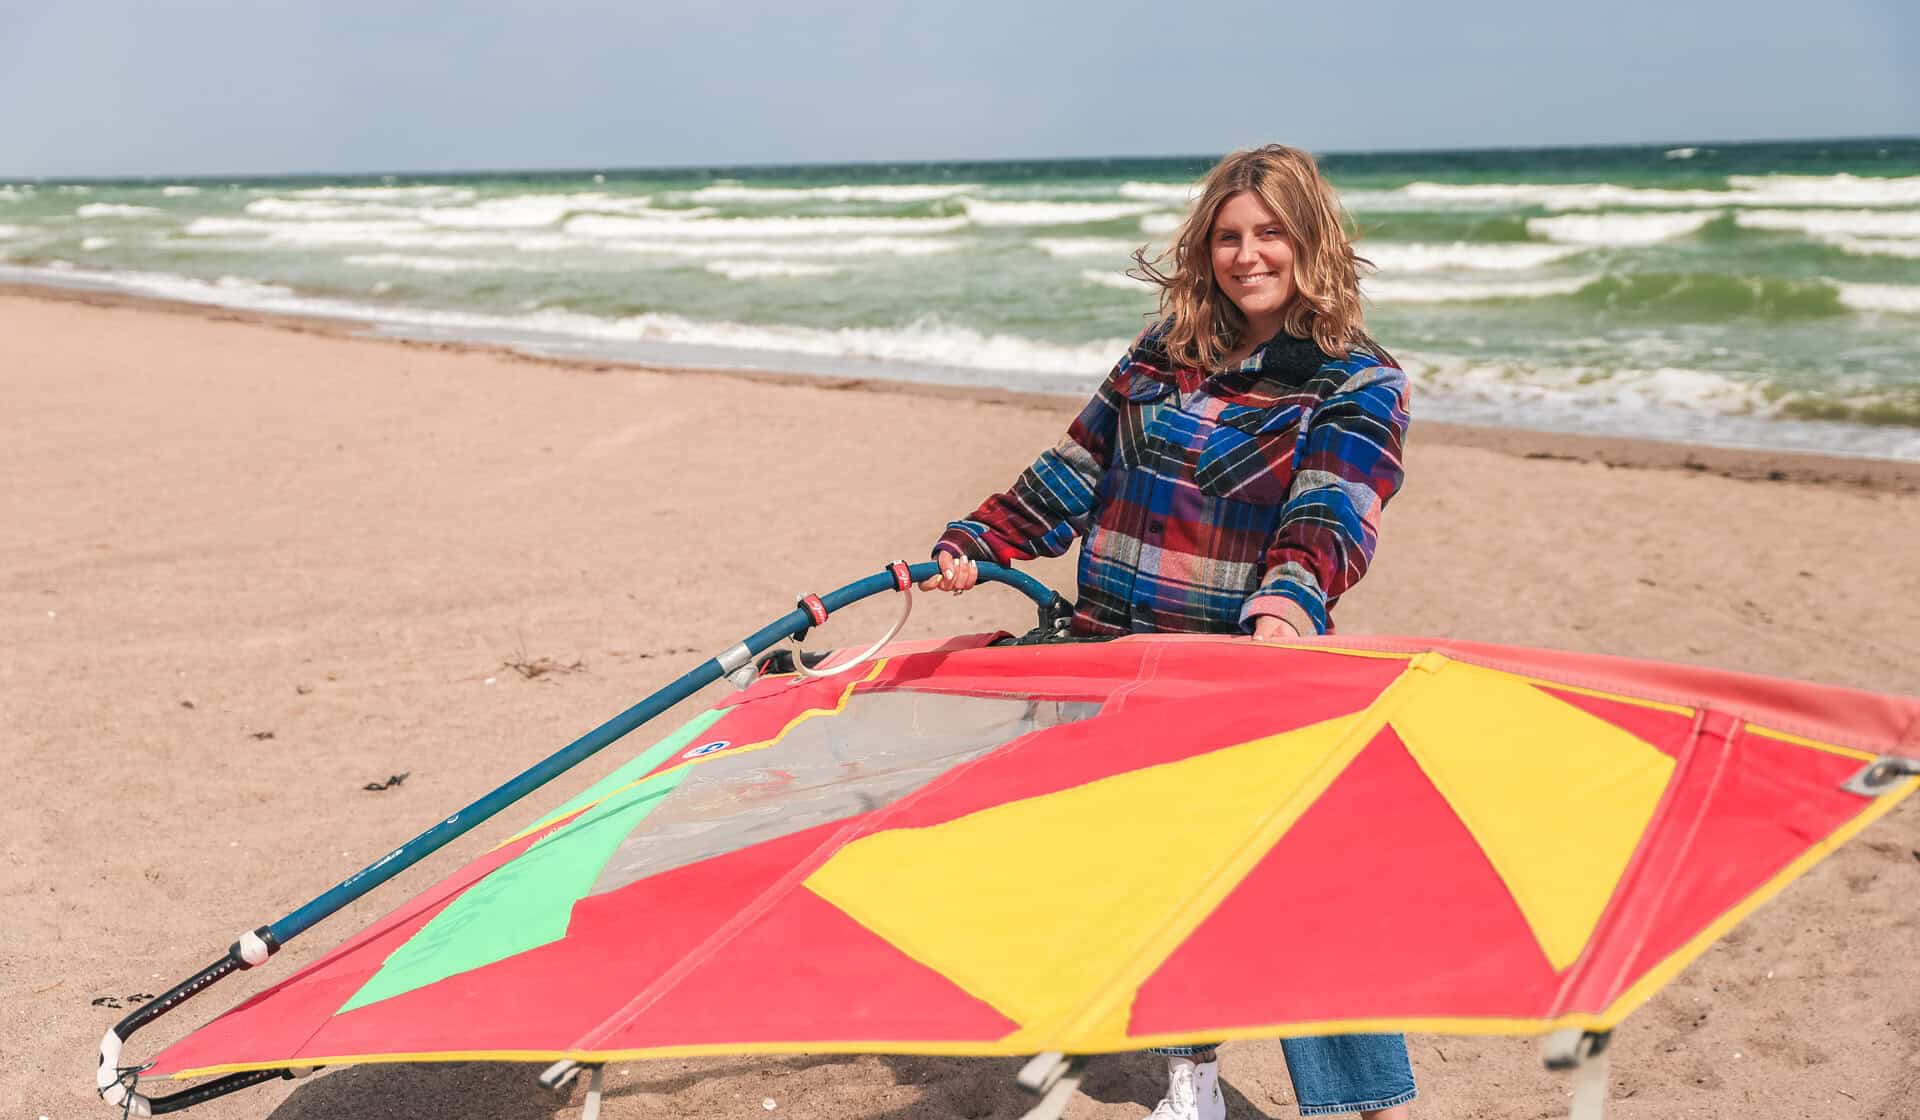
(199, 87)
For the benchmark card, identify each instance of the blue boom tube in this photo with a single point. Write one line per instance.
(116, 1083)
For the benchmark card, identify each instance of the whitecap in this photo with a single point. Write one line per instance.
(1404, 291)
(114, 210)
(1905, 248)
(722, 229)
(179, 191)
(1180, 193)
(1896, 299)
(1415, 256)
(767, 270)
(734, 192)
(1071, 247)
(1620, 229)
(988, 213)
(1119, 280)
(1860, 223)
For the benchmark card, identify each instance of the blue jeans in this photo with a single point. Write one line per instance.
(1338, 1073)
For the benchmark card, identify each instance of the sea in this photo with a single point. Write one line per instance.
(1752, 294)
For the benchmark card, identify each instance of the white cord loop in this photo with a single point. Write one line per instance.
(801, 667)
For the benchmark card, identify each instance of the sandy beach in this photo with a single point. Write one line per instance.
(254, 565)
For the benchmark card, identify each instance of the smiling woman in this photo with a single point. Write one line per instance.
(1228, 477)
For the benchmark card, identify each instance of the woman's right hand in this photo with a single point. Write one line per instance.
(957, 574)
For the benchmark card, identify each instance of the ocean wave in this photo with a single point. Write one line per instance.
(1620, 229)
(410, 263)
(1117, 280)
(11, 231)
(1829, 190)
(423, 193)
(1741, 190)
(925, 341)
(1156, 225)
(722, 229)
(1402, 291)
(1711, 296)
(1582, 387)
(735, 192)
(1051, 213)
(534, 211)
(10, 193)
(835, 248)
(115, 210)
(1418, 256)
(1181, 194)
(323, 210)
(1897, 299)
(1068, 248)
(322, 232)
(1859, 223)
(1904, 248)
(179, 191)
(769, 270)
(94, 244)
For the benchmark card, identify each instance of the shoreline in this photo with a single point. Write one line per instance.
(1612, 452)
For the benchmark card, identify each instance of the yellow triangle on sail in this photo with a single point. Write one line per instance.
(1556, 797)
(1133, 863)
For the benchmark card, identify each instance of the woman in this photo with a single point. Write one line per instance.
(1228, 477)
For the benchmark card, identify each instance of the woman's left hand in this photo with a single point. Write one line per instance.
(1273, 628)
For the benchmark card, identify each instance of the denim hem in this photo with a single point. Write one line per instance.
(1360, 1106)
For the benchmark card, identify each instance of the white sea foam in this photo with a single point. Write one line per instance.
(1859, 223)
(179, 191)
(1413, 256)
(1826, 190)
(1681, 153)
(410, 263)
(323, 210)
(1119, 280)
(534, 211)
(11, 231)
(114, 210)
(1069, 248)
(1409, 291)
(1179, 193)
(1051, 213)
(1550, 389)
(725, 229)
(834, 248)
(1905, 248)
(424, 193)
(766, 270)
(90, 244)
(1896, 299)
(1153, 225)
(323, 232)
(1620, 229)
(729, 191)
(11, 193)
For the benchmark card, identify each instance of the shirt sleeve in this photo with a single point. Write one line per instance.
(1348, 465)
(1052, 501)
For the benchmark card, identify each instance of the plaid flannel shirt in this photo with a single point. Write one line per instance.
(1208, 499)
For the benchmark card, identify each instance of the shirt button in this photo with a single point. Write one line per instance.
(1156, 527)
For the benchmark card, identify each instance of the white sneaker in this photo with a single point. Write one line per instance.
(1193, 1092)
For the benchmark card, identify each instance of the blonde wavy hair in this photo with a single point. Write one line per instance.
(1203, 323)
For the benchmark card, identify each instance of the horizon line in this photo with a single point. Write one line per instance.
(591, 169)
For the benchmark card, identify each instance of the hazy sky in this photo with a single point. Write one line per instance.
(176, 87)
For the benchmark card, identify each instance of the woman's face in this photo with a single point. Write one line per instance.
(1253, 261)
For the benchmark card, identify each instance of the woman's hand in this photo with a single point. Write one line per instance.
(1272, 628)
(957, 574)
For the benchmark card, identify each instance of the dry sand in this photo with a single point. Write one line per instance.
(252, 565)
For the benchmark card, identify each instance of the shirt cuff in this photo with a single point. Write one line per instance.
(960, 543)
(1281, 606)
